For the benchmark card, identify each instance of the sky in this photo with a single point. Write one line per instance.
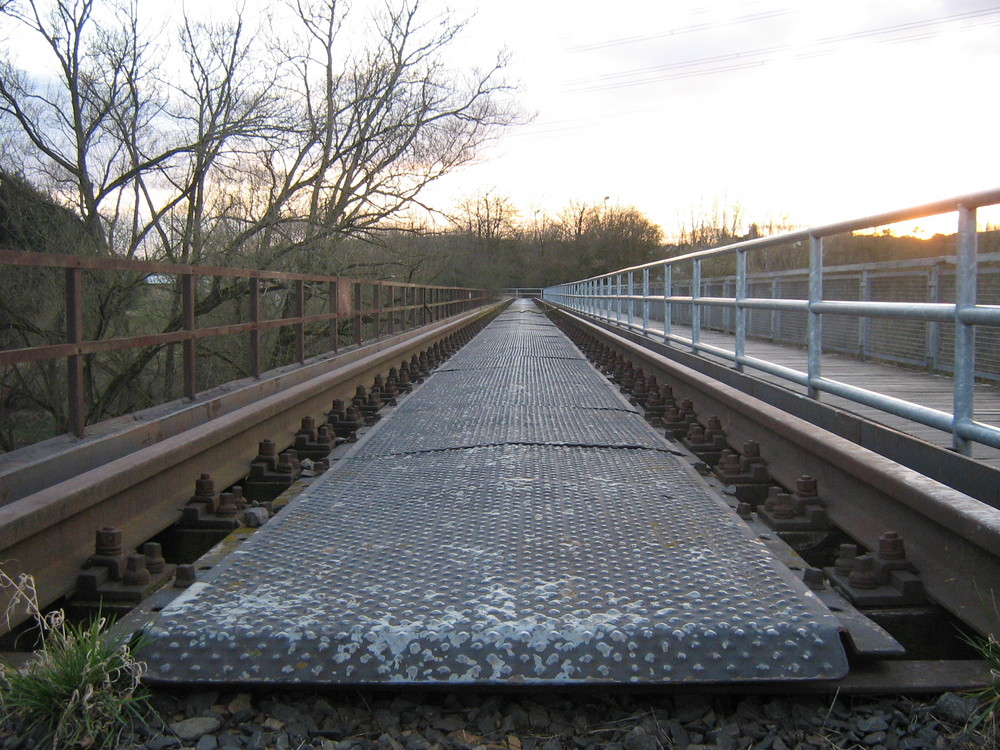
(817, 112)
(797, 111)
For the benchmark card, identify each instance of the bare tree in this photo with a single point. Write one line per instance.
(605, 237)
(254, 150)
(487, 217)
(722, 224)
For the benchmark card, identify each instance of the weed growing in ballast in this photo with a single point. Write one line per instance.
(81, 690)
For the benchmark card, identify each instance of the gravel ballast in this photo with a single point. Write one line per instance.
(554, 720)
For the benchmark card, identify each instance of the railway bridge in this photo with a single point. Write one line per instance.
(687, 472)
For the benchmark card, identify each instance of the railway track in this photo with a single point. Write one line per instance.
(878, 661)
(134, 477)
(869, 503)
(862, 495)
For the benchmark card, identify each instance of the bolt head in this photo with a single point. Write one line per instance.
(806, 486)
(890, 546)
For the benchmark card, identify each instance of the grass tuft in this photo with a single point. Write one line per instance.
(985, 724)
(80, 691)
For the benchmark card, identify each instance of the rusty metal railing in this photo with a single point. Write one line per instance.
(366, 308)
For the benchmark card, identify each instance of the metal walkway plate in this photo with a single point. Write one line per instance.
(520, 545)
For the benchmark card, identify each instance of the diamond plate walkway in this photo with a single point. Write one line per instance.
(514, 520)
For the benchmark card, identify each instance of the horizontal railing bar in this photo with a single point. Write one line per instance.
(55, 351)
(906, 409)
(55, 260)
(780, 371)
(930, 311)
(935, 312)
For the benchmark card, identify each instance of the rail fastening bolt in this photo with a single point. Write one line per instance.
(806, 486)
(890, 546)
(864, 576)
(238, 500)
(227, 505)
(184, 576)
(204, 486)
(783, 507)
(846, 559)
(814, 579)
(153, 553)
(135, 573)
(109, 541)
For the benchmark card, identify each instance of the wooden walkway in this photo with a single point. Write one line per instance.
(933, 391)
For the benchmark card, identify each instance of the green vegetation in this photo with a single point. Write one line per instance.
(81, 690)
(989, 650)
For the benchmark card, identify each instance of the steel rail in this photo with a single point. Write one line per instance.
(953, 539)
(142, 490)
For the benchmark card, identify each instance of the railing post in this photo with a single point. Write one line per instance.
(865, 323)
(740, 294)
(815, 320)
(377, 304)
(645, 301)
(392, 309)
(299, 328)
(76, 408)
(631, 301)
(357, 314)
(424, 310)
(618, 299)
(255, 331)
(695, 307)
(776, 314)
(965, 350)
(934, 327)
(668, 275)
(187, 309)
(333, 290)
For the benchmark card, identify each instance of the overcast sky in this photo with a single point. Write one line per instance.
(820, 111)
(815, 111)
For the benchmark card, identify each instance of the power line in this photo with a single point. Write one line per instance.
(694, 28)
(730, 62)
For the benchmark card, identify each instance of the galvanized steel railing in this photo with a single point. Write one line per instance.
(367, 308)
(928, 345)
(629, 298)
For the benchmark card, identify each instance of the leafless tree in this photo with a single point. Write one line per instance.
(253, 149)
(487, 216)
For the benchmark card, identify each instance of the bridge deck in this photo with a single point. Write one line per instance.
(516, 520)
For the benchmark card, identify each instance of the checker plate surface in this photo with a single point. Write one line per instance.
(515, 561)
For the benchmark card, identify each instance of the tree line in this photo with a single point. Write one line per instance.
(487, 241)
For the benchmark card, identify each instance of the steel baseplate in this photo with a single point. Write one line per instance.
(513, 521)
